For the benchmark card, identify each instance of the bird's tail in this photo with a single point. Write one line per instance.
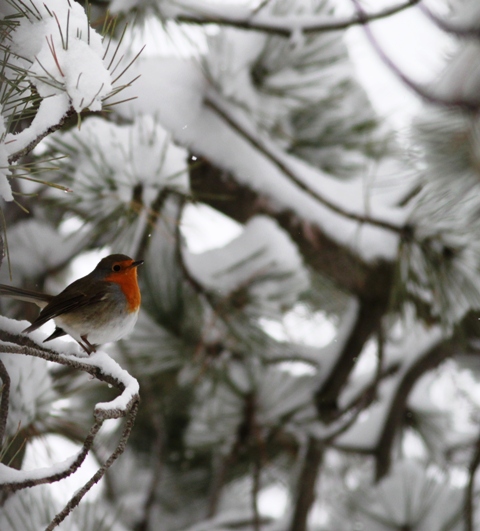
(40, 299)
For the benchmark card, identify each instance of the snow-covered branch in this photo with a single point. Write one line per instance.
(101, 367)
(290, 174)
(260, 20)
(77, 498)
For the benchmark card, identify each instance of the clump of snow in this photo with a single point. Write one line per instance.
(107, 161)
(110, 367)
(177, 98)
(262, 260)
(67, 54)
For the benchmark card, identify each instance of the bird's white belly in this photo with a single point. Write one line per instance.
(106, 333)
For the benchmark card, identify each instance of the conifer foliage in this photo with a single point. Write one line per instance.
(305, 354)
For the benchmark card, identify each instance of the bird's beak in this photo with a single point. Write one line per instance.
(137, 263)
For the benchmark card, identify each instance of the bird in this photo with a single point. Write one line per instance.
(98, 308)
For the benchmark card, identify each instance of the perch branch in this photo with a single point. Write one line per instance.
(12, 343)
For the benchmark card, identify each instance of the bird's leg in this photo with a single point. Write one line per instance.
(86, 345)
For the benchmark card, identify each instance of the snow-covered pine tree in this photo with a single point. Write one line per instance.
(306, 351)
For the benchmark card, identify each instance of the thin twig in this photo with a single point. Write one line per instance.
(294, 178)
(16, 344)
(76, 499)
(290, 27)
(150, 401)
(57, 476)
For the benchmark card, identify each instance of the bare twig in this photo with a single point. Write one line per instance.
(430, 359)
(294, 178)
(220, 467)
(76, 499)
(72, 467)
(286, 29)
(150, 400)
(307, 482)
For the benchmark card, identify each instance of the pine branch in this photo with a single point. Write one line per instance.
(347, 270)
(306, 485)
(424, 363)
(104, 371)
(276, 26)
(296, 179)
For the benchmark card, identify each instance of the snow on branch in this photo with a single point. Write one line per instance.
(290, 174)
(248, 19)
(58, 65)
(178, 101)
(101, 367)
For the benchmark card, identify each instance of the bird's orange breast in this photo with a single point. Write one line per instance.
(127, 280)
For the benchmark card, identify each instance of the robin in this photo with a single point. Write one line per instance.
(98, 308)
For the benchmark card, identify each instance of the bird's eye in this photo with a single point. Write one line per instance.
(116, 267)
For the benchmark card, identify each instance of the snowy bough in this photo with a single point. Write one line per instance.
(100, 366)
(53, 65)
(308, 337)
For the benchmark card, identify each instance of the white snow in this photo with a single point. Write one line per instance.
(67, 54)
(365, 431)
(109, 366)
(176, 97)
(49, 113)
(11, 475)
(262, 259)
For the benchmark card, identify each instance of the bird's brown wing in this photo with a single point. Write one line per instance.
(70, 299)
